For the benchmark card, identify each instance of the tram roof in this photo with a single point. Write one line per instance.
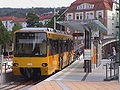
(43, 29)
(35, 29)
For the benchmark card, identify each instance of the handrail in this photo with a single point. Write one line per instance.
(111, 67)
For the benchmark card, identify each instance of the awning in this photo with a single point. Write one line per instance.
(82, 25)
(72, 25)
(100, 25)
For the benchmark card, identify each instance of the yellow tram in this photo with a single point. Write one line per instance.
(41, 51)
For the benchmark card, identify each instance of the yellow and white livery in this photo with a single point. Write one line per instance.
(41, 51)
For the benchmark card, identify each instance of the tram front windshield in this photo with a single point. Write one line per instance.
(30, 44)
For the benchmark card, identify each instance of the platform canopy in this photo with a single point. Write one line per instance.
(81, 26)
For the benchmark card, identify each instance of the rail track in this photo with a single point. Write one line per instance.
(19, 85)
(12, 82)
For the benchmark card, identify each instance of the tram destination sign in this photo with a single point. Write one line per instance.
(87, 54)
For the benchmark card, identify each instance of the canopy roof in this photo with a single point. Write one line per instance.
(81, 26)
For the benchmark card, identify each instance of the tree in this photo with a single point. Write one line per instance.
(16, 27)
(40, 24)
(59, 17)
(50, 23)
(4, 36)
(33, 20)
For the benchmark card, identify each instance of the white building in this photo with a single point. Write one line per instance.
(45, 18)
(9, 22)
(103, 10)
(21, 21)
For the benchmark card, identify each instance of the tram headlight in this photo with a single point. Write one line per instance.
(44, 64)
(15, 64)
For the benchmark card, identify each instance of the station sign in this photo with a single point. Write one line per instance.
(87, 54)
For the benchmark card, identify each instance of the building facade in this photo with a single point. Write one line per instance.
(45, 18)
(102, 10)
(21, 21)
(9, 21)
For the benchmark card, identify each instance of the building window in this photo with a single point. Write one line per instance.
(69, 17)
(117, 23)
(81, 16)
(83, 6)
(91, 14)
(99, 14)
(87, 16)
(77, 16)
(117, 14)
(112, 16)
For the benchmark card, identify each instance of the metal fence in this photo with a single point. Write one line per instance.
(112, 69)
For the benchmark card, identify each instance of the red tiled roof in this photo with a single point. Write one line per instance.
(7, 18)
(99, 4)
(19, 20)
(46, 16)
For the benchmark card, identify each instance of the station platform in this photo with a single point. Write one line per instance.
(74, 78)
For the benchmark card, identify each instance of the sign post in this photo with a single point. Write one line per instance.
(87, 52)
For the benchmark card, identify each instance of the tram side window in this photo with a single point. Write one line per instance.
(53, 47)
(63, 46)
(68, 45)
(71, 45)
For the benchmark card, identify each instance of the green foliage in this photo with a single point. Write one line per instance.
(50, 24)
(40, 24)
(32, 20)
(21, 12)
(16, 27)
(4, 36)
(61, 14)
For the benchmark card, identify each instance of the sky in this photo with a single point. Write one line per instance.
(34, 3)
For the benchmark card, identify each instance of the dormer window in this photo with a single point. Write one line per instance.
(85, 6)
